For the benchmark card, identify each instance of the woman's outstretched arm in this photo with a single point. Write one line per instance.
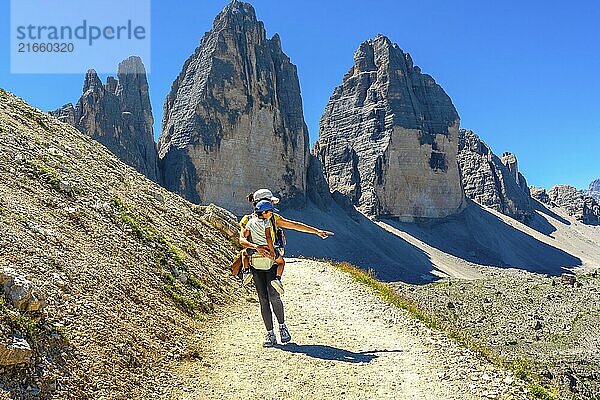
(302, 227)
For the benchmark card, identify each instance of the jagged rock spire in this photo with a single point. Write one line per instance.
(491, 181)
(388, 137)
(118, 115)
(233, 120)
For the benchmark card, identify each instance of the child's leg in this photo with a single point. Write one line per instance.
(280, 265)
(245, 260)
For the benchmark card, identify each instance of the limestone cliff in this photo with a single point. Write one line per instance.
(118, 114)
(388, 137)
(491, 181)
(233, 121)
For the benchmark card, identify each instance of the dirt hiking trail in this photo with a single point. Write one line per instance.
(346, 344)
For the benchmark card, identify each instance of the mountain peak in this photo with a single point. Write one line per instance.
(238, 90)
(92, 81)
(236, 13)
(131, 65)
(383, 104)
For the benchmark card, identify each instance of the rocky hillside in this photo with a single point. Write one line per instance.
(575, 202)
(233, 121)
(545, 326)
(105, 274)
(491, 181)
(118, 114)
(388, 137)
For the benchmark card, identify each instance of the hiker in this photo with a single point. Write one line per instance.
(276, 234)
(256, 237)
(277, 222)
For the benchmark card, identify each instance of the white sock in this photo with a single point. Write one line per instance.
(271, 332)
(281, 326)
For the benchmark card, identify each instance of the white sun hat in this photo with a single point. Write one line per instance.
(265, 194)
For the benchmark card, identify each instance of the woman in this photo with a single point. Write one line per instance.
(256, 236)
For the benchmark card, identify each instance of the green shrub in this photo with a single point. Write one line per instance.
(187, 304)
(539, 392)
(195, 282)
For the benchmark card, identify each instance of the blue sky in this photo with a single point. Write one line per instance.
(523, 75)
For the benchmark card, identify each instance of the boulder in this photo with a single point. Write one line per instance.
(20, 291)
(14, 351)
(220, 219)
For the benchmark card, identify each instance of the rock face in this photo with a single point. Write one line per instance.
(118, 115)
(65, 114)
(388, 137)
(594, 190)
(510, 161)
(233, 121)
(491, 181)
(583, 207)
(539, 194)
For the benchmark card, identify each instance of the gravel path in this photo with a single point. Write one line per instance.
(346, 343)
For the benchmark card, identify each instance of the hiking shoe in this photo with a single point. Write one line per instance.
(246, 278)
(276, 283)
(270, 339)
(285, 334)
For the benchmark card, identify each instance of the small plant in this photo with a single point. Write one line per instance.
(49, 174)
(539, 392)
(117, 203)
(20, 321)
(64, 333)
(187, 304)
(176, 254)
(168, 278)
(521, 368)
(194, 282)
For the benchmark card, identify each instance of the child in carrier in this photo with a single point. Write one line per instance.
(259, 234)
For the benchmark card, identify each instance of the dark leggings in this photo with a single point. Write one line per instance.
(268, 296)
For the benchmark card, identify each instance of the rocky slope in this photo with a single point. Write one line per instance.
(388, 137)
(491, 181)
(577, 203)
(118, 114)
(545, 326)
(233, 121)
(105, 274)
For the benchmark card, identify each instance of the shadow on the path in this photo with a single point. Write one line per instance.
(325, 352)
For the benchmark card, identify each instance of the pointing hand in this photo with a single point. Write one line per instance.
(324, 234)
